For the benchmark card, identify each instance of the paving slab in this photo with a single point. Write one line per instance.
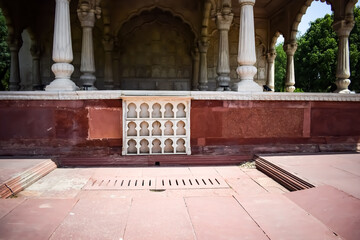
(335, 208)
(159, 218)
(35, 219)
(280, 218)
(10, 168)
(7, 205)
(246, 186)
(221, 218)
(60, 183)
(95, 218)
(165, 171)
(230, 172)
(341, 171)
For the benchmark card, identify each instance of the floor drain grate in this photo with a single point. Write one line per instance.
(155, 183)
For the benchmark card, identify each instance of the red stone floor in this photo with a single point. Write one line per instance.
(251, 206)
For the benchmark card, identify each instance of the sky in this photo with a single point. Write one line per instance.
(316, 10)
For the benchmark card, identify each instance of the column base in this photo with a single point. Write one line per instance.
(221, 89)
(14, 87)
(108, 87)
(203, 87)
(248, 86)
(342, 86)
(345, 91)
(61, 84)
(290, 89)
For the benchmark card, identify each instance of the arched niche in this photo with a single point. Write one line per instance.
(155, 52)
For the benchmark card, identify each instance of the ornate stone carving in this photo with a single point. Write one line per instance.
(108, 43)
(86, 15)
(35, 53)
(343, 29)
(15, 44)
(271, 55)
(62, 50)
(247, 53)
(196, 59)
(223, 23)
(203, 78)
(290, 49)
(156, 126)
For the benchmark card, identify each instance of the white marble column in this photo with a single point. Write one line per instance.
(343, 29)
(223, 23)
(247, 53)
(14, 46)
(195, 71)
(62, 50)
(290, 49)
(271, 69)
(108, 43)
(87, 19)
(36, 79)
(203, 76)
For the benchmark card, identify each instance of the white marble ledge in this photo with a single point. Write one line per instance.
(195, 95)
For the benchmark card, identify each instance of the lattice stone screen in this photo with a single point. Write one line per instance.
(156, 125)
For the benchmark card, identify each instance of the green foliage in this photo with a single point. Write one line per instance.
(354, 41)
(316, 58)
(280, 68)
(4, 55)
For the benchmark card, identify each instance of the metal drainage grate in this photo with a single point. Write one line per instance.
(155, 183)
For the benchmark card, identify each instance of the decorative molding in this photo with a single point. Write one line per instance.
(194, 95)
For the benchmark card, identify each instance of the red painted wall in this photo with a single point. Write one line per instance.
(94, 127)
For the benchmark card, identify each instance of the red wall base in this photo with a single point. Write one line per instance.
(93, 128)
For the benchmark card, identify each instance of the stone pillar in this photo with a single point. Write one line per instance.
(87, 19)
(62, 50)
(35, 53)
(223, 23)
(195, 75)
(271, 69)
(247, 53)
(290, 49)
(116, 64)
(203, 77)
(108, 43)
(343, 29)
(14, 46)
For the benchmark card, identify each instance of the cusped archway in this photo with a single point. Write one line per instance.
(155, 52)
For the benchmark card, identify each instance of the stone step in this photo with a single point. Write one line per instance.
(154, 160)
(288, 180)
(26, 178)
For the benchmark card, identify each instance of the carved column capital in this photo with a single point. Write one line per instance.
(223, 21)
(203, 45)
(290, 48)
(195, 54)
(247, 2)
(14, 43)
(108, 43)
(343, 27)
(86, 17)
(270, 56)
(35, 50)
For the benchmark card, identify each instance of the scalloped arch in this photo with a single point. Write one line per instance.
(301, 13)
(150, 8)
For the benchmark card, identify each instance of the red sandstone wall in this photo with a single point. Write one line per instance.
(84, 127)
(247, 127)
(94, 127)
